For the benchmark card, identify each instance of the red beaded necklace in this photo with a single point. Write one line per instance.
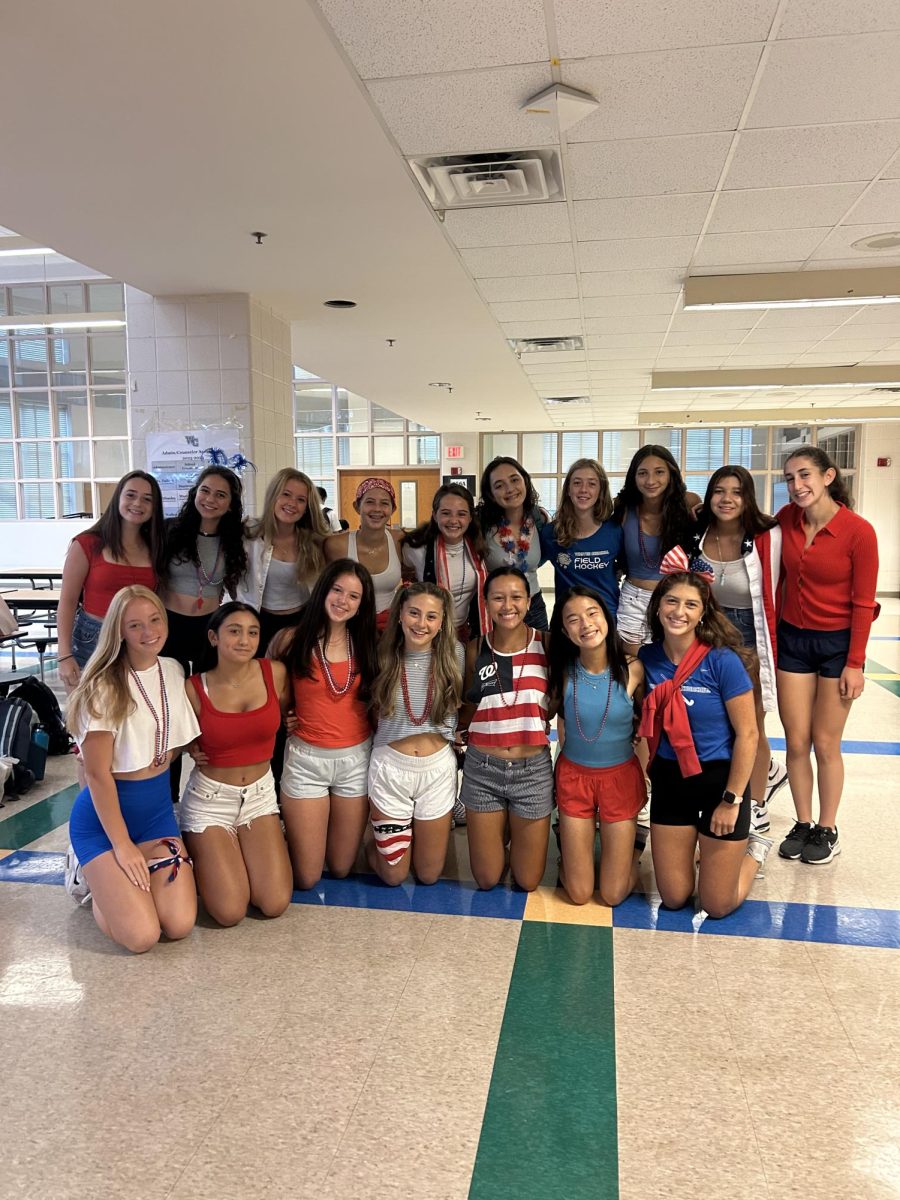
(429, 697)
(326, 669)
(515, 682)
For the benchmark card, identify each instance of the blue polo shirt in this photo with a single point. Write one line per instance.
(588, 562)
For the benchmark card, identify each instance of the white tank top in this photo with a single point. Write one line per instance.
(387, 581)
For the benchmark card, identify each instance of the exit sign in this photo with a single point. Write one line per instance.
(454, 451)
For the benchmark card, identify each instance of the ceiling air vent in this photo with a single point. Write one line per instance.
(486, 180)
(567, 399)
(545, 345)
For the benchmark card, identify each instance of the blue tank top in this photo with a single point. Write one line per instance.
(614, 746)
(641, 564)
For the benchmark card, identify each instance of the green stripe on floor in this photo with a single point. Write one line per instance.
(24, 827)
(550, 1123)
(891, 683)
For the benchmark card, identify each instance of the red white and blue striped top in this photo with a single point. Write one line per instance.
(510, 691)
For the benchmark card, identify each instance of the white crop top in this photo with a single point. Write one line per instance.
(133, 740)
(385, 582)
(282, 592)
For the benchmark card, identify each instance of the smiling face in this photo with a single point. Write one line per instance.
(237, 638)
(421, 617)
(213, 498)
(508, 487)
(806, 483)
(375, 508)
(291, 502)
(144, 632)
(584, 490)
(343, 599)
(136, 501)
(727, 499)
(652, 477)
(452, 518)
(680, 610)
(507, 601)
(583, 622)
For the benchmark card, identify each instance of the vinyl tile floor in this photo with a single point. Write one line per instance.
(443, 1043)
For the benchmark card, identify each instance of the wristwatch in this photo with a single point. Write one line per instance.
(731, 798)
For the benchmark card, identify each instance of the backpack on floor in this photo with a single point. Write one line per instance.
(16, 717)
(49, 714)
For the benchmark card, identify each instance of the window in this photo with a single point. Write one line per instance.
(577, 445)
(538, 452)
(618, 449)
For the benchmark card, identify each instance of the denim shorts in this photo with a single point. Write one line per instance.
(524, 786)
(85, 635)
(742, 620)
(812, 651)
(207, 803)
(631, 619)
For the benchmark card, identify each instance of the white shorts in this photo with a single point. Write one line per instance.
(631, 621)
(404, 786)
(311, 772)
(227, 805)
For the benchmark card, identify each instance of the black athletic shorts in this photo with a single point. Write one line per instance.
(812, 651)
(675, 800)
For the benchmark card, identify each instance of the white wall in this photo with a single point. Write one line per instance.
(879, 498)
(37, 544)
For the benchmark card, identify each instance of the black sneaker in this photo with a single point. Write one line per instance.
(821, 846)
(792, 846)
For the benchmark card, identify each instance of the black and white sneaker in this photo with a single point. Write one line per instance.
(821, 846)
(792, 846)
(74, 881)
(759, 818)
(778, 777)
(758, 847)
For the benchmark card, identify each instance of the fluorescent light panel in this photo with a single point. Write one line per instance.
(770, 379)
(22, 251)
(101, 321)
(792, 289)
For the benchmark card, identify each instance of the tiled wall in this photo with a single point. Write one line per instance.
(879, 494)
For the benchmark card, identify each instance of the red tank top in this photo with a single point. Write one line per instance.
(104, 578)
(239, 739)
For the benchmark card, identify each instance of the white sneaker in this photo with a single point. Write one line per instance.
(74, 881)
(777, 778)
(759, 818)
(758, 847)
(643, 817)
(459, 814)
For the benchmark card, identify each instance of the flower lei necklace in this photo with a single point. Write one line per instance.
(516, 549)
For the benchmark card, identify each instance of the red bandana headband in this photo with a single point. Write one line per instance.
(375, 482)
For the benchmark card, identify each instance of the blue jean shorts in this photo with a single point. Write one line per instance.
(523, 786)
(742, 620)
(85, 635)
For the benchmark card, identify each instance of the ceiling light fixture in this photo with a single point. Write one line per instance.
(771, 379)
(339, 303)
(22, 251)
(877, 241)
(62, 323)
(792, 289)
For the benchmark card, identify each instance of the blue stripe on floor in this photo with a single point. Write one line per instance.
(780, 920)
(447, 897)
(32, 866)
(886, 637)
(891, 748)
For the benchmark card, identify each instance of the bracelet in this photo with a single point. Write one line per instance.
(63, 659)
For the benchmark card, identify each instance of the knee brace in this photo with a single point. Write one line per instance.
(393, 839)
(174, 860)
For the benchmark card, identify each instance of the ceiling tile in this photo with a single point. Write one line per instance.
(701, 349)
(641, 216)
(767, 158)
(839, 244)
(585, 27)
(826, 318)
(783, 208)
(555, 358)
(882, 203)
(624, 341)
(646, 166)
(723, 249)
(706, 337)
(636, 253)
(391, 37)
(689, 322)
(465, 111)
(824, 79)
(644, 95)
(501, 261)
(631, 283)
(627, 325)
(861, 259)
(536, 310)
(516, 225)
(744, 268)
(546, 327)
(616, 306)
(530, 287)
(852, 345)
(878, 314)
(816, 18)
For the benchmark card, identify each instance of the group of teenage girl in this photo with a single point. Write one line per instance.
(358, 668)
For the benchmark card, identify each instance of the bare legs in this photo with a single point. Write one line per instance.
(234, 869)
(426, 855)
(814, 716)
(134, 918)
(618, 859)
(325, 831)
(488, 834)
(726, 871)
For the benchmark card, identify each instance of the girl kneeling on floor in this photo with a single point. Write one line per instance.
(332, 662)
(229, 813)
(128, 714)
(598, 776)
(412, 772)
(700, 720)
(507, 785)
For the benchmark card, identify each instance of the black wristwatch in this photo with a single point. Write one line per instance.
(731, 798)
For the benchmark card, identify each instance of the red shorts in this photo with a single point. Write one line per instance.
(610, 793)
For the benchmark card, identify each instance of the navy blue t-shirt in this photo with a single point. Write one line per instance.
(588, 562)
(720, 677)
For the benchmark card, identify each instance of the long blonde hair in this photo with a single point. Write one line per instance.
(309, 531)
(445, 670)
(102, 690)
(566, 518)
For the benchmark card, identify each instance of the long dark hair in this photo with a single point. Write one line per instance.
(298, 655)
(490, 514)
(563, 653)
(675, 516)
(427, 533)
(209, 659)
(753, 520)
(109, 528)
(837, 489)
(183, 531)
(714, 629)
